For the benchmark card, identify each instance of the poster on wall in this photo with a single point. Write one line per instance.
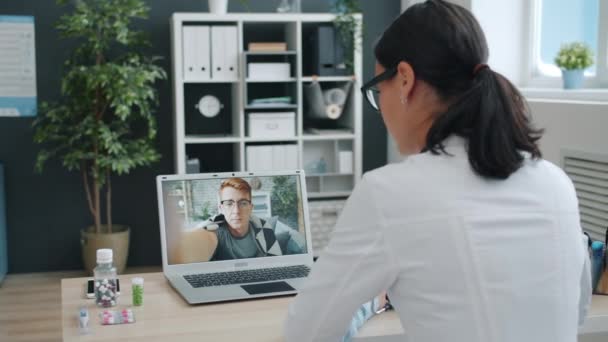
(17, 66)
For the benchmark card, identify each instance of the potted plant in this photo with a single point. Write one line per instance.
(103, 124)
(573, 59)
(346, 24)
(221, 6)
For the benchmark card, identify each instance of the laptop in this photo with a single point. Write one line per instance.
(220, 244)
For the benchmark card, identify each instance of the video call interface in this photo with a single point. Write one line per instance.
(233, 218)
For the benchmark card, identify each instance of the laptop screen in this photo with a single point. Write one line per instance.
(233, 218)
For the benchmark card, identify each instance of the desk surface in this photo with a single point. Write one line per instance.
(165, 316)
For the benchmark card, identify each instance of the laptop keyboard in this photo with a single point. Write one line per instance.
(247, 276)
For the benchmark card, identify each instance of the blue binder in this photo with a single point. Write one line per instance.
(3, 244)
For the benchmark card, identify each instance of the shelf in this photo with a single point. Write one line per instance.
(271, 106)
(270, 53)
(211, 81)
(284, 80)
(206, 139)
(253, 139)
(314, 137)
(328, 174)
(328, 78)
(328, 194)
(222, 143)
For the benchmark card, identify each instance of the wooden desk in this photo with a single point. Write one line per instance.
(165, 316)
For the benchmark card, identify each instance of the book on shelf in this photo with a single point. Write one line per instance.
(271, 102)
(267, 46)
(326, 131)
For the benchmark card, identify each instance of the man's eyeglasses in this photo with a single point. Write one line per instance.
(371, 92)
(229, 204)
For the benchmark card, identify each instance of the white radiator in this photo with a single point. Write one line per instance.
(589, 173)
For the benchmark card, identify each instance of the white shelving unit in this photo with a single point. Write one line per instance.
(220, 144)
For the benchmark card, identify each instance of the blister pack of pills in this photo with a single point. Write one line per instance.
(109, 317)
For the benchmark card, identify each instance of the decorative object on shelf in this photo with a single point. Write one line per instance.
(326, 104)
(193, 165)
(573, 59)
(347, 24)
(289, 6)
(218, 6)
(221, 6)
(316, 166)
(91, 129)
(209, 106)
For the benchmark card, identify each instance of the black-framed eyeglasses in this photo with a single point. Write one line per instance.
(229, 204)
(370, 90)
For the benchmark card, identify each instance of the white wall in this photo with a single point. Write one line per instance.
(505, 33)
(577, 126)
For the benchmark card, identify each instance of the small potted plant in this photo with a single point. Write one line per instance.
(573, 59)
(103, 124)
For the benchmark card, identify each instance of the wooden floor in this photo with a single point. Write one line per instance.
(30, 305)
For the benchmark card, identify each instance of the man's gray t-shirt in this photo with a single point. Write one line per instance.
(230, 247)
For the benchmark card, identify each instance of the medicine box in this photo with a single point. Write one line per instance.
(272, 125)
(268, 71)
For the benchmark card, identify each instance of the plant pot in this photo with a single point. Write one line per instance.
(218, 6)
(573, 79)
(118, 241)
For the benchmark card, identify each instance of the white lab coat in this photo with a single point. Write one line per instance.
(463, 258)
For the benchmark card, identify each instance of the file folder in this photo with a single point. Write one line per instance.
(231, 55)
(224, 53)
(196, 53)
(218, 71)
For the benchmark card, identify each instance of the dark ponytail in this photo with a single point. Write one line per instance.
(447, 49)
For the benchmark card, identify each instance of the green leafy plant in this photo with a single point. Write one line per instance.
(284, 199)
(204, 212)
(347, 26)
(574, 56)
(103, 124)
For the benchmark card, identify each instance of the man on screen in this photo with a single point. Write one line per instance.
(240, 234)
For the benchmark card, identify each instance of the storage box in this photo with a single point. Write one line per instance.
(268, 71)
(272, 125)
(345, 164)
(193, 165)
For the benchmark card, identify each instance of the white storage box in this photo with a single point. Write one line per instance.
(345, 162)
(272, 125)
(268, 71)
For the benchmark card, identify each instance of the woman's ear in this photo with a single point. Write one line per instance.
(407, 78)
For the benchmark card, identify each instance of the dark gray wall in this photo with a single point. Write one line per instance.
(46, 211)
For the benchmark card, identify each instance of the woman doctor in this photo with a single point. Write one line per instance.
(475, 237)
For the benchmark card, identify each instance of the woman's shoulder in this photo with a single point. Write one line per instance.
(551, 175)
(416, 168)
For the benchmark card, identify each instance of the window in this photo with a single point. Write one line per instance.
(555, 22)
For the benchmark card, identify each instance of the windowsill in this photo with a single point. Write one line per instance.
(586, 96)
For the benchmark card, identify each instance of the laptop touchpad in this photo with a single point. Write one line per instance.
(279, 286)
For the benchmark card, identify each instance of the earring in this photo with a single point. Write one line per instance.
(403, 99)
